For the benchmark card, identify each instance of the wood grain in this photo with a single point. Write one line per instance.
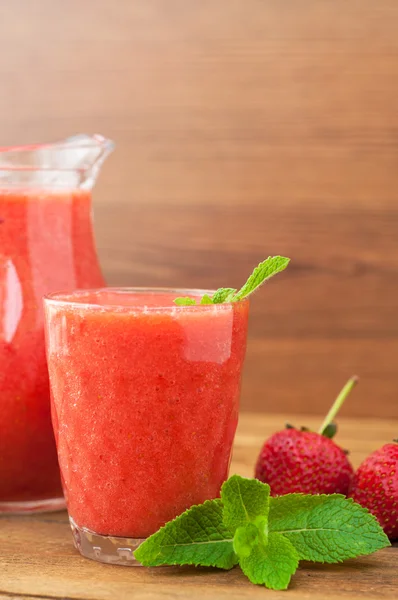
(37, 558)
(243, 128)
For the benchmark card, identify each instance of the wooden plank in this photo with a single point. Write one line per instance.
(37, 558)
(63, 574)
(332, 314)
(243, 127)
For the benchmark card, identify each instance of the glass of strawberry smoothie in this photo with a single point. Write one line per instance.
(145, 401)
(46, 244)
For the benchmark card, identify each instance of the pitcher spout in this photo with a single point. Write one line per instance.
(85, 154)
(73, 162)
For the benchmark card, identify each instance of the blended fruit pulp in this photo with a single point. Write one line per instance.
(145, 404)
(46, 244)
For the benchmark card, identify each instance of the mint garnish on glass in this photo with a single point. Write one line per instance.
(266, 269)
(267, 536)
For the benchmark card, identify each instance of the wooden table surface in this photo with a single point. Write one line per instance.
(38, 560)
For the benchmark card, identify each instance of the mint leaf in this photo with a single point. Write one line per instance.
(186, 301)
(244, 501)
(271, 565)
(197, 537)
(245, 538)
(206, 299)
(266, 269)
(326, 528)
(223, 295)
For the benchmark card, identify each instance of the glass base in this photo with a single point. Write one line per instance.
(105, 548)
(33, 506)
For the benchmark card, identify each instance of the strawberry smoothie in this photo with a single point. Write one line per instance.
(144, 403)
(46, 243)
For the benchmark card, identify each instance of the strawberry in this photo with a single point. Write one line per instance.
(305, 461)
(375, 486)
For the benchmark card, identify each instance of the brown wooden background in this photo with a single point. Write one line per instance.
(243, 128)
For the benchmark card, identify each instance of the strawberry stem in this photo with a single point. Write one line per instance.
(338, 403)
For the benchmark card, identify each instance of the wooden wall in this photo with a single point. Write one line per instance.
(243, 128)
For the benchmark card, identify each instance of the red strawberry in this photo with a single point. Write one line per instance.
(375, 486)
(305, 461)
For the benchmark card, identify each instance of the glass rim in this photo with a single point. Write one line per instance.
(69, 299)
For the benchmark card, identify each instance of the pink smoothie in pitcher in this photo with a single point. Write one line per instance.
(46, 243)
(144, 403)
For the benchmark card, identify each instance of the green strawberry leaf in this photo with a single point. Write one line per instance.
(271, 565)
(197, 537)
(325, 528)
(330, 430)
(266, 269)
(223, 295)
(186, 301)
(244, 501)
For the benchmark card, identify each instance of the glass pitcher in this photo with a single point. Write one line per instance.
(46, 245)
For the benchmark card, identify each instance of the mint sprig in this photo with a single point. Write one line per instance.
(267, 536)
(264, 271)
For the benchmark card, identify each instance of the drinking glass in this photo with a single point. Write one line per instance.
(145, 401)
